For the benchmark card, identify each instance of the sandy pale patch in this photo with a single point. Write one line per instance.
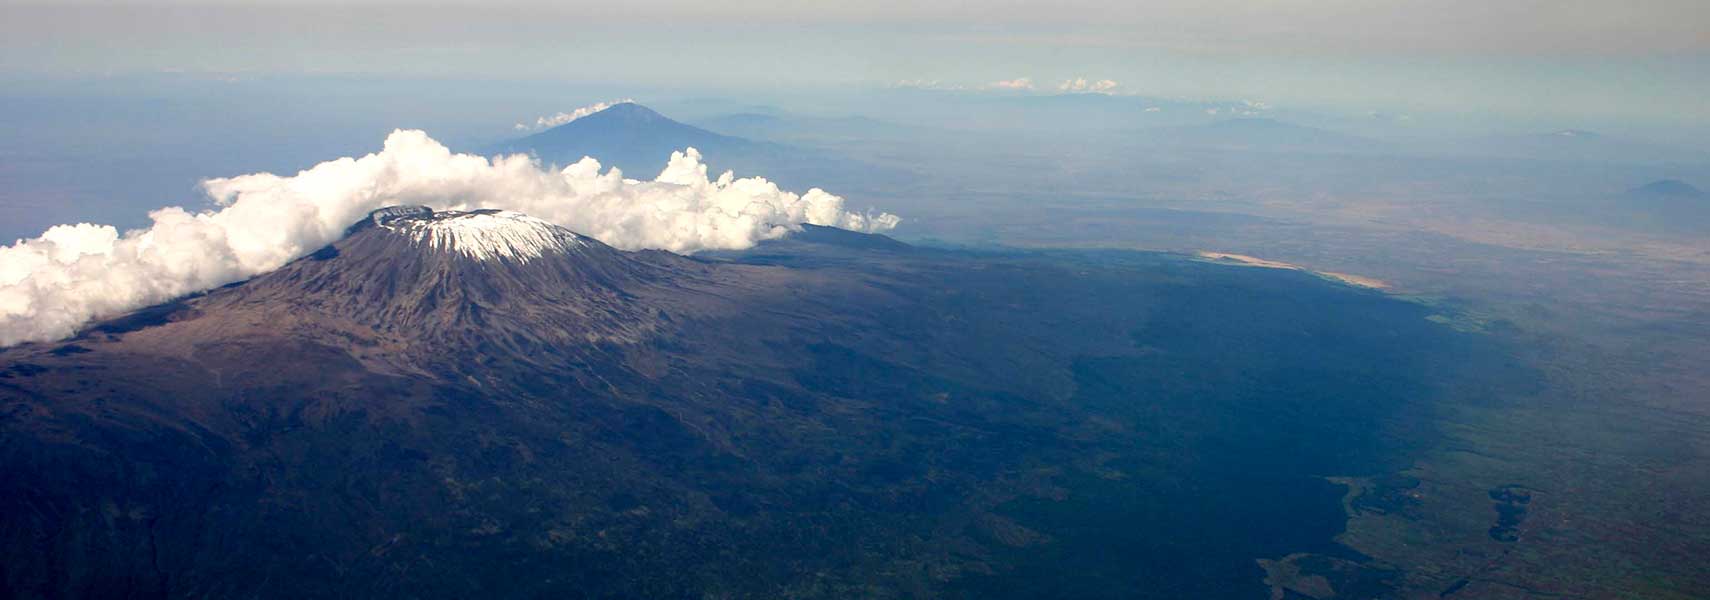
(1243, 260)
(1356, 280)
(1246, 261)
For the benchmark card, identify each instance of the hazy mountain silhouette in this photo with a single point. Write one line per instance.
(1668, 188)
(639, 141)
(635, 139)
(1667, 205)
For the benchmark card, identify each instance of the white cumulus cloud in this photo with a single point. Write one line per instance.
(548, 122)
(1019, 83)
(53, 284)
(1084, 85)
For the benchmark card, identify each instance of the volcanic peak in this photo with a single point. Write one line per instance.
(478, 234)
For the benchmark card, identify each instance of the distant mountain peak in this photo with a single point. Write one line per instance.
(629, 110)
(636, 140)
(626, 135)
(1669, 187)
(621, 114)
(1576, 133)
(562, 118)
(478, 234)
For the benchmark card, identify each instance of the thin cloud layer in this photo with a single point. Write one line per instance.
(53, 284)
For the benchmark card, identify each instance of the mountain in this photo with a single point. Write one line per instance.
(451, 276)
(444, 389)
(1667, 205)
(635, 139)
(482, 404)
(1668, 188)
(639, 141)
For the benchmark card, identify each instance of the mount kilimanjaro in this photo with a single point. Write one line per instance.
(458, 404)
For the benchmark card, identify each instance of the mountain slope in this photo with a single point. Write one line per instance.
(415, 394)
(480, 404)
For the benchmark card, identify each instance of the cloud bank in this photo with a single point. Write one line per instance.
(1019, 83)
(1084, 85)
(53, 284)
(566, 117)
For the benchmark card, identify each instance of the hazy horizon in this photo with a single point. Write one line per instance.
(1646, 62)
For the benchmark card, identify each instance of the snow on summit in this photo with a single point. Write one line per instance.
(487, 234)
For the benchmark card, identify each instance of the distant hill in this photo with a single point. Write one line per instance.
(1667, 205)
(1668, 188)
(639, 141)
